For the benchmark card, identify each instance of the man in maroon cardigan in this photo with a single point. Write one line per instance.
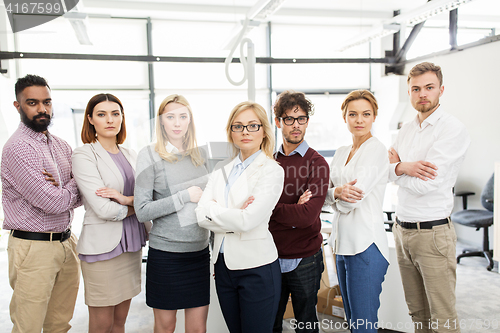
(295, 223)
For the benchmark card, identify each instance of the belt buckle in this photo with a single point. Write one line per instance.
(65, 235)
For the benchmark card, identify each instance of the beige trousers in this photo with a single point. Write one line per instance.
(427, 263)
(44, 276)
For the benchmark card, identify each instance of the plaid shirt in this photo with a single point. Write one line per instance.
(30, 202)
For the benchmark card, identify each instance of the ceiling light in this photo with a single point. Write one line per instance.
(79, 23)
(413, 17)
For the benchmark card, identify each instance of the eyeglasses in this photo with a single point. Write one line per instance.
(289, 121)
(249, 127)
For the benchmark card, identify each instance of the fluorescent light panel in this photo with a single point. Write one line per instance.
(412, 17)
(263, 9)
(430, 9)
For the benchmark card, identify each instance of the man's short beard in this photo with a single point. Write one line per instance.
(34, 124)
(424, 109)
(292, 141)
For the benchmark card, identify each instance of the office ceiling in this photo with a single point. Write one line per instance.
(330, 12)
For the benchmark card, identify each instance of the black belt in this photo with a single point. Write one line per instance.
(423, 225)
(42, 236)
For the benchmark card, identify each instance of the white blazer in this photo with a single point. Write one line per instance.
(247, 240)
(93, 168)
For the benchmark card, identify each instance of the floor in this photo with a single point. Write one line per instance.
(478, 301)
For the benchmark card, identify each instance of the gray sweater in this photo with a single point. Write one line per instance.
(161, 195)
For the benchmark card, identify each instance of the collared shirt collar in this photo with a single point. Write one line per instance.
(432, 119)
(301, 149)
(248, 161)
(171, 149)
(38, 136)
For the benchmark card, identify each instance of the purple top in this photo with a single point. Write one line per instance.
(134, 232)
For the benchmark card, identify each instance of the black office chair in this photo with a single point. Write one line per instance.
(478, 218)
(389, 222)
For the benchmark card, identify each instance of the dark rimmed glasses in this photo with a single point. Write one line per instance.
(289, 121)
(249, 127)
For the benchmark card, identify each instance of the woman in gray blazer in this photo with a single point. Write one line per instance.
(112, 238)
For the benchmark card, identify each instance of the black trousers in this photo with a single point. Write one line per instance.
(249, 297)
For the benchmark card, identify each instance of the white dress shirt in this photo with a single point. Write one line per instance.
(171, 149)
(442, 140)
(360, 224)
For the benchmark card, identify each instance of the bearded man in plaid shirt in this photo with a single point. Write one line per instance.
(39, 195)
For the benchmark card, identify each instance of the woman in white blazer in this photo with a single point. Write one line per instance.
(236, 205)
(112, 238)
(360, 242)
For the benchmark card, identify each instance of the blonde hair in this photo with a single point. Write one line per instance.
(359, 94)
(267, 145)
(189, 143)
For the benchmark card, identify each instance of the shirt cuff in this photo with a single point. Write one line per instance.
(185, 197)
(392, 171)
(122, 213)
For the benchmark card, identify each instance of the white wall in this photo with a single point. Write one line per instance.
(472, 87)
(7, 111)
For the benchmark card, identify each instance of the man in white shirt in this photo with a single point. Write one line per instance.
(425, 160)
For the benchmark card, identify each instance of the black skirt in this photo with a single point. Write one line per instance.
(177, 280)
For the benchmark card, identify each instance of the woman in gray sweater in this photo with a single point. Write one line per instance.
(170, 177)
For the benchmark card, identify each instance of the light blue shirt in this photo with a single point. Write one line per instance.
(235, 173)
(301, 149)
(288, 265)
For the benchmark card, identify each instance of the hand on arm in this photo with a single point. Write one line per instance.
(305, 197)
(116, 196)
(147, 207)
(447, 149)
(39, 189)
(370, 170)
(348, 192)
(90, 183)
(195, 193)
(49, 178)
(302, 214)
(248, 202)
(420, 169)
(214, 216)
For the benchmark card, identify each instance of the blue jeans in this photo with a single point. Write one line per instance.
(360, 279)
(303, 284)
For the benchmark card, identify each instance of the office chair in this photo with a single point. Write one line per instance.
(389, 222)
(477, 218)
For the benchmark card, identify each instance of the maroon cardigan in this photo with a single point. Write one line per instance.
(296, 229)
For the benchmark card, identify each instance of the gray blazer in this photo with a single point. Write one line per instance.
(93, 168)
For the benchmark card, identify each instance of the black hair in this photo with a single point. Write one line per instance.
(29, 81)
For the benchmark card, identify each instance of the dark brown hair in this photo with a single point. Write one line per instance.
(88, 130)
(289, 99)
